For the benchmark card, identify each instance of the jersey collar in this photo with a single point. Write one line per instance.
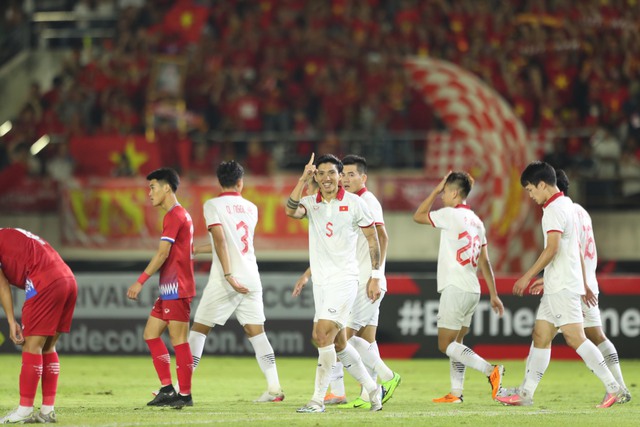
(552, 198)
(361, 191)
(229, 193)
(462, 206)
(339, 196)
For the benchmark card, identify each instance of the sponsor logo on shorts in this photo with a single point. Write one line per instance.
(166, 311)
(332, 310)
(558, 316)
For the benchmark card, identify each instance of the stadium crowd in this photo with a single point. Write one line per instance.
(317, 70)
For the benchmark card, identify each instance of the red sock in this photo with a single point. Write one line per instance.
(30, 377)
(161, 360)
(184, 366)
(50, 374)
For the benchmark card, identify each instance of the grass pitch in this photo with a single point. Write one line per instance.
(113, 391)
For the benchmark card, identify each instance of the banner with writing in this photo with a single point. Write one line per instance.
(115, 213)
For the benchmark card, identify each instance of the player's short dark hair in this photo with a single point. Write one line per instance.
(562, 181)
(168, 175)
(229, 173)
(359, 161)
(537, 172)
(329, 158)
(462, 180)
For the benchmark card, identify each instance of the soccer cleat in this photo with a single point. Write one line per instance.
(14, 417)
(180, 401)
(610, 399)
(163, 398)
(332, 399)
(515, 400)
(449, 398)
(504, 392)
(390, 386)
(356, 403)
(311, 407)
(377, 397)
(495, 380)
(267, 396)
(625, 396)
(46, 418)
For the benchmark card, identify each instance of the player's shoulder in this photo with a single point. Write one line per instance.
(370, 198)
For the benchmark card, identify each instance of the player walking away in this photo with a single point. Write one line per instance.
(463, 249)
(363, 320)
(31, 264)
(565, 283)
(335, 219)
(177, 288)
(234, 281)
(592, 320)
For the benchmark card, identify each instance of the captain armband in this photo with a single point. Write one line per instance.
(293, 204)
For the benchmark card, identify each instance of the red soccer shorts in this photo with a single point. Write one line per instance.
(175, 309)
(51, 309)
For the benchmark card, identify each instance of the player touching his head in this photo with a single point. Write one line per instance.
(234, 281)
(172, 309)
(463, 249)
(565, 284)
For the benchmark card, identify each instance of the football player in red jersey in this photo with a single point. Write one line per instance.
(30, 263)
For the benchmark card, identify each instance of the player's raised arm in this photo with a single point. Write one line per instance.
(293, 208)
(421, 216)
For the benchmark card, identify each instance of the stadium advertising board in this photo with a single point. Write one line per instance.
(106, 322)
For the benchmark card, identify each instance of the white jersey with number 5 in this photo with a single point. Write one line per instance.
(588, 246)
(461, 239)
(238, 218)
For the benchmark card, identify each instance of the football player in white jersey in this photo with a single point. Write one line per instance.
(463, 249)
(565, 285)
(363, 320)
(336, 217)
(234, 281)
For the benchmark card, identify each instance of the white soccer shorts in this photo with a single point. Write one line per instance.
(456, 308)
(220, 301)
(334, 302)
(560, 308)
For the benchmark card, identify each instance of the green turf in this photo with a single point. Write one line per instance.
(114, 391)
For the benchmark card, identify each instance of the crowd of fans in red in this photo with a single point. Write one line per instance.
(322, 68)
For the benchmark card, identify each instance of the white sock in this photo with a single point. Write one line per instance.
(594, 361)
(456, 373)
(24, 411)
(371, 359)
(337, 380)
(196, 342)
(537, 364)
(266, 360)
(326, 361)
(610, 355)
(46, 409)
(466, 356)
(353, 364)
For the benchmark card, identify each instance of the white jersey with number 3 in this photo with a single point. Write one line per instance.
(588, 246)
(461, 239)
(238, 218)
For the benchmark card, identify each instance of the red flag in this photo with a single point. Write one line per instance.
(102, 155)
(185, 20)
(344, 208)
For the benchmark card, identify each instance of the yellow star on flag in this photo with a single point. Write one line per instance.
(186, 19)
(561, 81)
(136, 158)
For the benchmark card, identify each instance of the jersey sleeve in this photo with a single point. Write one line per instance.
(211, 216)
(306, 202)
(376, 210)
(363, 215)
(440, 218)
(553, 221)
(170, 227)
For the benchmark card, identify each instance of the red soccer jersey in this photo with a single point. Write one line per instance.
(176, 274)
(29, 262)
